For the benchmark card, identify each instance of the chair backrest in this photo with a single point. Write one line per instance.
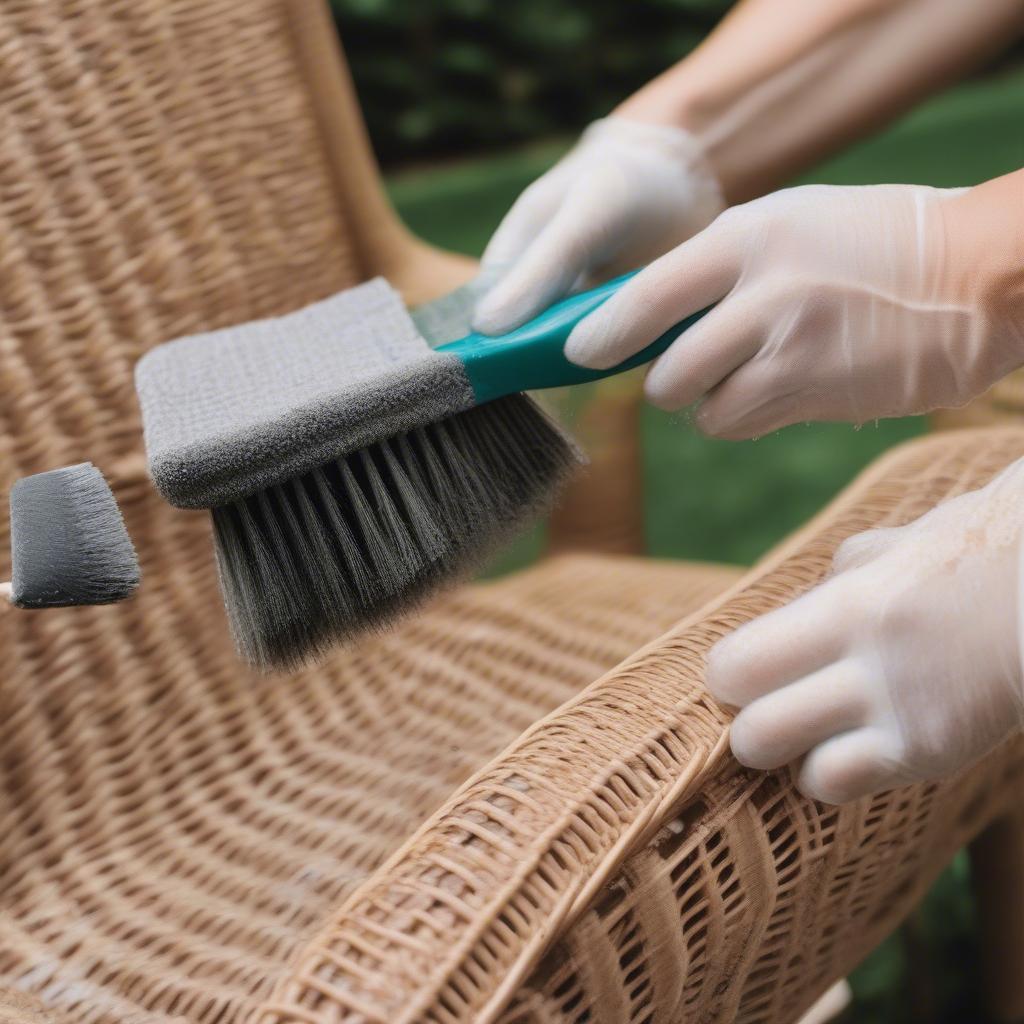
(166, 168)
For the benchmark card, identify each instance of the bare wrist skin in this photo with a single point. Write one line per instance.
(985, 236)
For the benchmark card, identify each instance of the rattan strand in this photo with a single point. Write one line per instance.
(681, 887)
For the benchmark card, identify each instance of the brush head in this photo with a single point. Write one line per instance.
(351, 545)
(347, 469)
(69, 545)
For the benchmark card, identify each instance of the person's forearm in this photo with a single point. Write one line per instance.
(781, 84)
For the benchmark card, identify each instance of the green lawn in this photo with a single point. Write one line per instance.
(719, 500)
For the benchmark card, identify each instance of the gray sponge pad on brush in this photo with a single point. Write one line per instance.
(234, 411)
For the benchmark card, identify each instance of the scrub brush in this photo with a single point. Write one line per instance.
(69, 545)
(350, 467)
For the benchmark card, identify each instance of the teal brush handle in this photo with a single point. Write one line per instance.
(531, 358)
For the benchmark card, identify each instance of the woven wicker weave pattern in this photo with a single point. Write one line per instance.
(170, 841)
(172, 829)
(679, 881)
(161, 173)
(174, 833)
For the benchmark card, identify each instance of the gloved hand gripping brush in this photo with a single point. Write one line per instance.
(69, 545)
(352, 468)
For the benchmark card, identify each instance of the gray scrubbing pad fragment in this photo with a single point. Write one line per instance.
(235, 411)
(69, 545)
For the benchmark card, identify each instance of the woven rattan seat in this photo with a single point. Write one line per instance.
(169, 840)
(517, 806)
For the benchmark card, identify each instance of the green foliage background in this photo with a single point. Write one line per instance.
(443, 76)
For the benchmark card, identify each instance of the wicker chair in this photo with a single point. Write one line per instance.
(182, 841)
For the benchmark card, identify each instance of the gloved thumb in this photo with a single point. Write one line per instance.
(566, 248)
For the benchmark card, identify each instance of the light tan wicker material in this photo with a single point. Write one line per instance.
(616, 865)
(174, 832)
(18, 1008)
(603, 510)
(173, 828)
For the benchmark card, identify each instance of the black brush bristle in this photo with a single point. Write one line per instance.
(69, 545)
(344, 549)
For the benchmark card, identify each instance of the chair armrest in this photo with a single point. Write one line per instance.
(616, 859)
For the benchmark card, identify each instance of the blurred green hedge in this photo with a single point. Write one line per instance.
(445, 77)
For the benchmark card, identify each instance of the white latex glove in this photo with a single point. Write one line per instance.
(627, 192)
(905, 665)
(834, 303)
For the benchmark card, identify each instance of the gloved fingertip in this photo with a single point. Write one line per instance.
(822, 793)
(494, 314)
(588, 346)
(724, 432)
(747, 745)
(847, 767)
(714, 420)
(494, 255)
(492, 323)
(515, 299)
(709, 422)
(660, 388)
(720, 672)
